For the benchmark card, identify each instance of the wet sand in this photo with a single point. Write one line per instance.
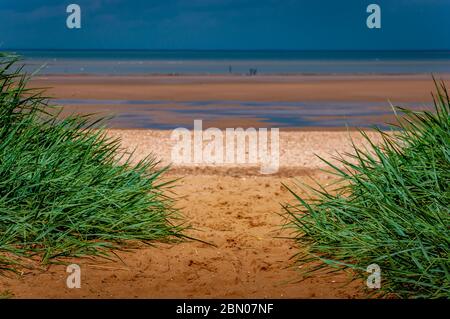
(293, 102)
(369, 88)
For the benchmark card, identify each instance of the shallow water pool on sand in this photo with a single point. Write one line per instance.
(159, 114)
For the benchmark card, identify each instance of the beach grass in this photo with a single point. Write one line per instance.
(66, 189)
(390, 207)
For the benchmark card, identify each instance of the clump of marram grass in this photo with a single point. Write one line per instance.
(65, 190)
(392, 208)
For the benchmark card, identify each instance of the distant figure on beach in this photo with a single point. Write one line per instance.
(230, 69)
(253, 72)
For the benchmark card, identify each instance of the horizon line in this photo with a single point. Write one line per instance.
(231, 50)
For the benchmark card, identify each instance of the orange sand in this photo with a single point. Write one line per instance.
(236, 209)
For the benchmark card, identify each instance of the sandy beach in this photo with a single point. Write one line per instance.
(234, 208)
(263, 152)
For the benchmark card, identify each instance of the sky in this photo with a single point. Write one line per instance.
(226, 25)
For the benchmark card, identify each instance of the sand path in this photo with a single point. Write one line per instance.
(236, 210)
(238, 215)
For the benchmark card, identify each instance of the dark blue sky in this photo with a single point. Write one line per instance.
(226, 24)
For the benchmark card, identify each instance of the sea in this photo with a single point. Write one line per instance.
(182, 62)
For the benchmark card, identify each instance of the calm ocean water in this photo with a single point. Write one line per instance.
(237, 62)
